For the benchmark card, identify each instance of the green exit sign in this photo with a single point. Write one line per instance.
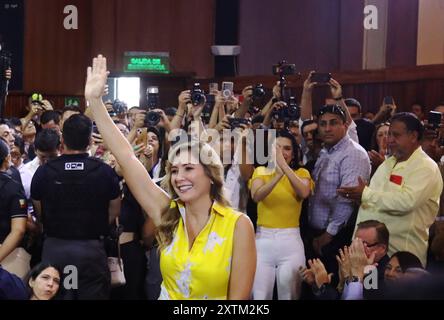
(150, 62)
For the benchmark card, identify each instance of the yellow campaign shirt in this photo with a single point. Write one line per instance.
(281, 208)
(405, 197)
(204, 271)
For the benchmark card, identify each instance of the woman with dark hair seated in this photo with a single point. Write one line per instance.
(401, 264)
(42, 283)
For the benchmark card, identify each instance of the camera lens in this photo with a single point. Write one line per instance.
(152, 119)
(197, 98)
(197, 95)
(258, 91)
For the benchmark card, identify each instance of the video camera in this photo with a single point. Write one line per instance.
(284, 69)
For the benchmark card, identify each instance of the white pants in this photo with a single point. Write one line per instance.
(280, 253)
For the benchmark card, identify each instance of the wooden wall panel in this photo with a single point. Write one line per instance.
(55, 58)
(402, 33)
(103, 30)
(182, 27)
(351, 35)
(304, 32)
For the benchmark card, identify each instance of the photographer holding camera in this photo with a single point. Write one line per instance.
(386, 111)
(182, 110)
(218, 113)
(336, 93)
(189, 111)
(251, 95)
(36, 106)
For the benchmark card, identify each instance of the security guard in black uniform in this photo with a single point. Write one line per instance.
(77, 196)
(13, 209)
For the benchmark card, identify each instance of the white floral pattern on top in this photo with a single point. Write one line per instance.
(228, 269)
(213, 239)
(184, 280)
(169, 248)
(163, 293)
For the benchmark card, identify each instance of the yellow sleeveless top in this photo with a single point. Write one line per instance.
(204, 271)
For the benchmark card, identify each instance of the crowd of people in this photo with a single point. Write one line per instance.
(341, 206)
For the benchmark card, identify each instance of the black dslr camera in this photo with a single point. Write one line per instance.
(197, 95)
(119, 107)
(258, 91)
(289, 113)
(152, 118)
(434, 119)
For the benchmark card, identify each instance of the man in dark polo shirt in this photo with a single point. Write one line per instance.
(12, 211)
(77, 197)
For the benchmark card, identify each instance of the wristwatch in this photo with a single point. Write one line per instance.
(352, 279)
(318, 291)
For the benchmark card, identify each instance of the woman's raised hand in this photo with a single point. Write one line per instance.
(96, 78)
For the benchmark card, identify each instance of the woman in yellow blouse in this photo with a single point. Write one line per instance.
(207, 249)
(279, 193)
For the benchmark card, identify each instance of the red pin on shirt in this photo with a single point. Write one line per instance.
(396, 179)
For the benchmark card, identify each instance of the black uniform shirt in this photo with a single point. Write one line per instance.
(109, 184)
(81, 206)
(12, 204)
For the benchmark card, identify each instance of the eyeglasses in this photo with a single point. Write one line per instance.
(332, 108)
(368, 245)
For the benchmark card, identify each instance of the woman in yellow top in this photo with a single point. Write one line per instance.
(207, 249)
(279, 193)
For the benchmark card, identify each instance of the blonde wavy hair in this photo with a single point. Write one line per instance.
(213, 169)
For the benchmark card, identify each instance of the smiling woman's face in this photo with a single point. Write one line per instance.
(188, 178)
(393, 270)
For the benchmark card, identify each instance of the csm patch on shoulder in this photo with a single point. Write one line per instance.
(22, 203)
(74, 166)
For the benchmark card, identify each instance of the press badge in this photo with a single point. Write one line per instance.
(74, 166)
